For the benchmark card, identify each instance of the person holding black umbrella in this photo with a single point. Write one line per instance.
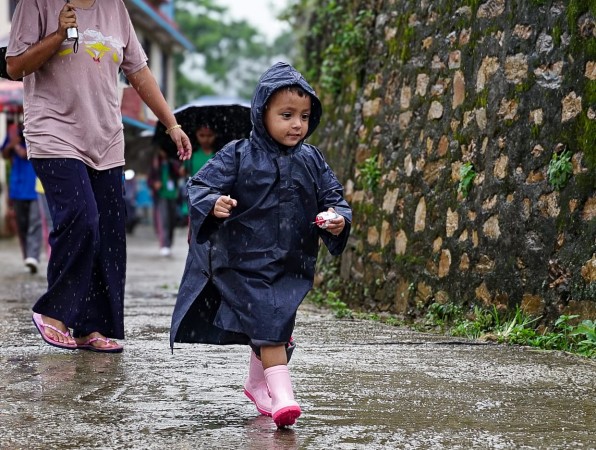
(204, 151)
(73, 129)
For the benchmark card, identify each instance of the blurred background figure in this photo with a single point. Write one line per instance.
(130, 200)
(144, 202)
(203, 152)
(163, 181)
(23, 196)
(46, 218)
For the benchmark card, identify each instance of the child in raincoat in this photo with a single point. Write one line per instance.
(253, 240)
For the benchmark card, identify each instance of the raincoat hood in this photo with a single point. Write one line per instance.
(278, 76)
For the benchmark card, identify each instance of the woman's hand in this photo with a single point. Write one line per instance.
(182, 143)
(223, 206)
(67, 19)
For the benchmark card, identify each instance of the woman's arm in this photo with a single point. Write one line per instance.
(145, 84)
(36, 56)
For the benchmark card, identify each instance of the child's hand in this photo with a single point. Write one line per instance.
(336, 226)
(223, 206)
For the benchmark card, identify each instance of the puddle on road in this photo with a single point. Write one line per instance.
(361, 386)
(353, 397)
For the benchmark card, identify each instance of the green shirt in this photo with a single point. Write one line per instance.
(196, 161)
(168, 184)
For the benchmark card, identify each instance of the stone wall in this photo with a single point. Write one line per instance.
(414, 92)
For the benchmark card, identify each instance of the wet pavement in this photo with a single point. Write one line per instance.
(361, 385)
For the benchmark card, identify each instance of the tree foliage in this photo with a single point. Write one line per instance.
(230, 54)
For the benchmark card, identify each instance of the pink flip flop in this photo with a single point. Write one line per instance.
(88, 345)
(41, 327)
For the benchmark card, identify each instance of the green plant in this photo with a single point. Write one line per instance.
(586, 331)
(370, 173)
(467, 175)
(559, 169)
(483, 322)
(439, 314)
(347, 50)
(331, 300)
(516, 329)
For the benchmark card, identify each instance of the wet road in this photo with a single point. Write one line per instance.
(361, 385)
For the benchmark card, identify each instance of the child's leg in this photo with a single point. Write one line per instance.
(255, 385)
(284, 408)
(274, 356)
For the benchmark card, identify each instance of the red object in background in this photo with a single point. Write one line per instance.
(133, 107)
(11, 96)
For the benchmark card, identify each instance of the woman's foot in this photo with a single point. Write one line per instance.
(54, 332)
(96, 342)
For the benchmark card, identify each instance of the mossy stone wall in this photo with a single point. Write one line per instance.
(414, 91)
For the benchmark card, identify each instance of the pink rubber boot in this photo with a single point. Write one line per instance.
(284, 408)
(255, 386)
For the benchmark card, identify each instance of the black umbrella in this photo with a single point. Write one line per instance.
(228, 117)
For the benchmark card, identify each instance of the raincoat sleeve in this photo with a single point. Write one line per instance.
(216, 178)
(331, 195)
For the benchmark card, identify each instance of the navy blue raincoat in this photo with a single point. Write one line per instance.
(245, 276)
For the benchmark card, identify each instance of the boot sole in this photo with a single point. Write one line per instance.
(286, 416)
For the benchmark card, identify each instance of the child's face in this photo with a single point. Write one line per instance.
(206, 137)
(286, 117)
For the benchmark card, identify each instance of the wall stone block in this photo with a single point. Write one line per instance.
(484, 295)
(590, 72)
(444, 263)
(550, 76)
(401, 242)
(385, 234)
(435, 111)
(589, 211)
(548, 205)
(508, 109)
(588, 270)
(500, 170)
(491, 228)
(516, 68)
(373, 236)
(572, 106)
(491, 9)
(452, 222)
(489, 66)
(420, 216)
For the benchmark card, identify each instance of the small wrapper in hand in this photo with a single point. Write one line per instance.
(322, 220)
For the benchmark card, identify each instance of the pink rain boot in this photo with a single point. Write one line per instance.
(284, 408)
(255, 386)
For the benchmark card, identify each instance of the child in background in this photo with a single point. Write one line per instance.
(253, 240)
(22, 194)
(206, 138)
(163, 181)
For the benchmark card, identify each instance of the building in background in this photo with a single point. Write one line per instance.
(159, 35)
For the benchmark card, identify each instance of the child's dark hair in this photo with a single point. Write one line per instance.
(298, 90)
(294, 89)
(204, 124)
